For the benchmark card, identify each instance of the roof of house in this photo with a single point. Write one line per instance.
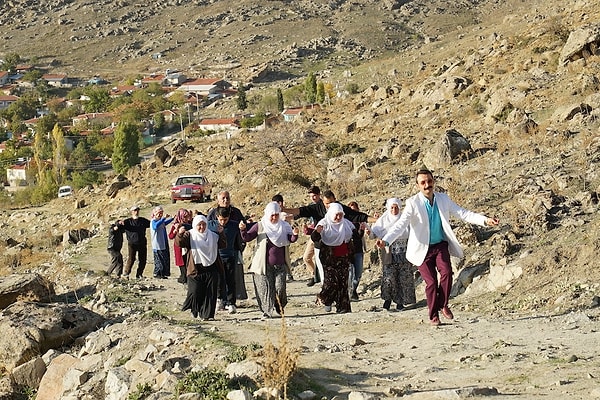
(219, 121)
(119, 90)
(293, 111)
(203, 81)
(54, 77)
(153, 78)
(8, 97)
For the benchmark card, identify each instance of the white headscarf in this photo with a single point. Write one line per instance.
(204, 245)
(387, 219)
(278, 232)
(335, 233)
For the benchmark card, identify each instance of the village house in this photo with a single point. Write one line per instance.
(7, 100)
(295, 113)
(56, 80)
(221, 124)
(102, 119)
(211, 88)
(16, 175)
(3, 78)
(123, 90)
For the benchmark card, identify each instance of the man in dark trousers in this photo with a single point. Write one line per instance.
(137, 244)
(114, 246)
(229, 256)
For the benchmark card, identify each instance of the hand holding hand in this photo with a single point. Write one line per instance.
(492, 221)
(242, 226)
(380, 243)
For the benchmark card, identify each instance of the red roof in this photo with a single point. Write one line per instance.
(217, 121)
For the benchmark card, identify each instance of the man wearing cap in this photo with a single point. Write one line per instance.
(137, 244)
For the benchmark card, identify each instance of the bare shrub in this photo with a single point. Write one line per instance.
(279, 363)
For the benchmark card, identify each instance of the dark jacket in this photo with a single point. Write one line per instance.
(232, 234)
(317, 212)
(115, 237)
(135, 229)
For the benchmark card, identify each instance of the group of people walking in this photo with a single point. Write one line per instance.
(208, 250)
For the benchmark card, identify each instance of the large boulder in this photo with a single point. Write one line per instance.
(582, 43)
(30, 287)
(30, 329)
(451, 147)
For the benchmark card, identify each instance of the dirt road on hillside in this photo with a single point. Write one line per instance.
(394, 353)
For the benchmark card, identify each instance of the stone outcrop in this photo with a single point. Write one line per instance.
(30, 329)
(25, 287)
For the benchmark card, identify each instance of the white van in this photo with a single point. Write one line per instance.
(64, 191)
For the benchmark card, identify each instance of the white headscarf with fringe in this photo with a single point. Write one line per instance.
(204, 245)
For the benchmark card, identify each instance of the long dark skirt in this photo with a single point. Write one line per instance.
(240, 285)
(162, 263)
(202, 292)
(270, 289)
(335, 284)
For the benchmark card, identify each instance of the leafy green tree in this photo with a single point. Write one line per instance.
(253, 122)
(294, 95)
(60, 154)
(45, 124)
(105, 146)
(80, 157)
(85, 178)
(241, 101)
(22, 109)
(159, 121)
(45, 188)
(280, 104)
(42, 151)
(32, 76)
(11, 60)
(99, 99)
(310, 88)
(320, 92)
(126, 147)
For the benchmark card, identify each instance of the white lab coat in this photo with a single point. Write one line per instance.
(414, 216)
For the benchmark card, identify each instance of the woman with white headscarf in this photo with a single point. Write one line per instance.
(202, 266)
(271, 256)
(333, 235)
(397, 280)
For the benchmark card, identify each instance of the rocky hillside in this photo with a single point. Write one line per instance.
(237, 39)
(499, 99)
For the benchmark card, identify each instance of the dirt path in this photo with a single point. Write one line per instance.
(372, 350)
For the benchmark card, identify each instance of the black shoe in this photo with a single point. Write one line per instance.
(311, 282)
(354, 296)
(399, 307)
(387, 304)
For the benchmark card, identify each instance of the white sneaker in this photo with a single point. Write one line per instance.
(220, 305)
(231, 309)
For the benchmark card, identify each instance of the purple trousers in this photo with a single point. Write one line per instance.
(437, 294)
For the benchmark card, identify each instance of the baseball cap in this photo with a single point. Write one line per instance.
(134, 207)
(314, 190)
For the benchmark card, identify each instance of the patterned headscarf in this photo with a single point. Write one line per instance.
(182, 216)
